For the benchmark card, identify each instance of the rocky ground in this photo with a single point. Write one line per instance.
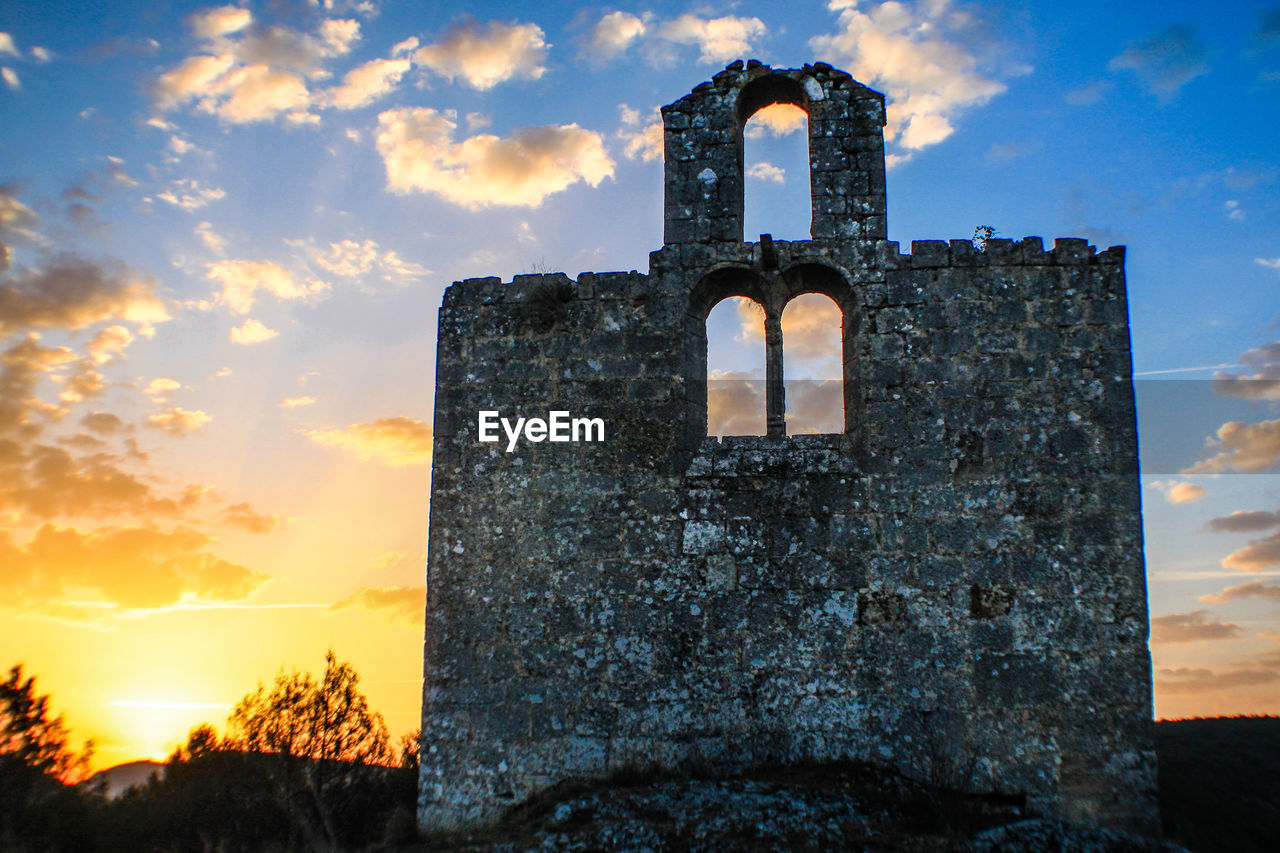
(845, 807)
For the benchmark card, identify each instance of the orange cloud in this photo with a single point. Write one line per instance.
(109, 344)
(1191, 627)
(776, 119)
(161, 386)
(403, 602)
(1241, 521)
(1176, 492)
(244, 517)
(735, 404)
(22, 366)
(815, 406)
(1184, 680)
(48, 481)
(134, 567)
(70, 293)
(1257, 556)
(397, 442)
(811, 326)
(179, 421)
(103, 423)
(251, 331)
(1246, 447)
(418, 149)
(1257, 589)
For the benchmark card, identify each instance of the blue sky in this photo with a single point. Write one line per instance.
(229, 227)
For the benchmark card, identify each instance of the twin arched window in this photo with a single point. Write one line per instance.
(776, 360)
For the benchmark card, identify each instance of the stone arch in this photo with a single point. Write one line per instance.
(776, 88)
(704, 152)
(813, 277)
(712, 288)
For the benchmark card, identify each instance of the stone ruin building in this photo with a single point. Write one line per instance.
(956, 578)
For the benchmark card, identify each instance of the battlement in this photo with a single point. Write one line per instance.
(955, 575)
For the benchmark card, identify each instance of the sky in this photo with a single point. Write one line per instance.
(226, 231)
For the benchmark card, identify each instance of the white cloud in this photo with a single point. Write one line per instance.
(251, 332)
(917, 54)
(357, 260)
(41, 54)
(417, 146)
(367, 83)
(248, 74)
(717, 39)
(258, 93)
(409, 45)
(767, 172)
(614, 33)
(642, 140)
(1273, 263)
(194, 77)
(189, 194)
(11, 78)
(213, 241)
(486, 58)
(221, 21)
(241, 279)
(1233, 211)
(7, 46)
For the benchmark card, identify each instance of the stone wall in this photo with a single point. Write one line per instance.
(954, 581)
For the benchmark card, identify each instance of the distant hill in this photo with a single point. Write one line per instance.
(122, 777)
(1220, 783)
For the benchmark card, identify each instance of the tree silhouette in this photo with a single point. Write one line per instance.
(38, 807)
(326, 750)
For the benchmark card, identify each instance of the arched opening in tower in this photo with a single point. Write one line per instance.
(776, 194)
(812, 365)
(736, 368)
